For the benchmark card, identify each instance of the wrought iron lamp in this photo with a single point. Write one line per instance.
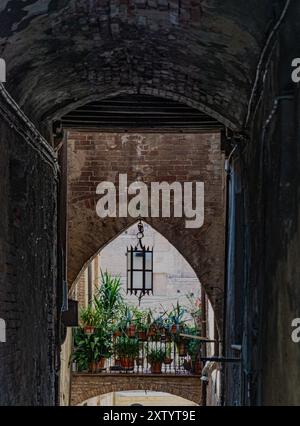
(139, 267)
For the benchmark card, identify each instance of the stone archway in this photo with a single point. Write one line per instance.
(86, 386)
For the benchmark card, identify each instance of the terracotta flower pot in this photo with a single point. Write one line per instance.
(127, 362)
(173, 329)
(101, 364)
(93, 367)
(89, 329)
(142, 335)
(156, 367)
(131, 330)
(152, 331)
(168, 360)
(117, 333)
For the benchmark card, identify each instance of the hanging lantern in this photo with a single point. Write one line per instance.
(139, 267)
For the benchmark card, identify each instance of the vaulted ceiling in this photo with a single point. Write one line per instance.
(62, 54)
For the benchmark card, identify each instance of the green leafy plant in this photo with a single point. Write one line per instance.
(90, 348)
(193, 349)
(126, 347)
(109, 300)
(156, 356)
(90, 316)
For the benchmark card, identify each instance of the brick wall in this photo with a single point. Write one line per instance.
(85, 386)
(97, 157)
(27, 269)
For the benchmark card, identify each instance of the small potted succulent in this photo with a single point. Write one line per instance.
(155, 358)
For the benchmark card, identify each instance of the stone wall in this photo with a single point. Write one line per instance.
(85, 386)
(27, 265)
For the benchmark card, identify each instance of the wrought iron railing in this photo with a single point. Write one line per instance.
(175, 359)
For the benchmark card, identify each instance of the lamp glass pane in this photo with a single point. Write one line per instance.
(148, 279)
(137, 283)
(148, 260)
(138, 260)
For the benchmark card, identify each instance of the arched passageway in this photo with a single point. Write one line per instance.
(230, 60)
(175, 286)
(129, 393)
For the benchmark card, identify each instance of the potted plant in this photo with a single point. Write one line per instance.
(89, 352)
(175, 319)
(128, 321)
(109, 300)
(141, 325)
(80, 353)
(142, 332)
(90, 319)
(127, 349)
(155, 358)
